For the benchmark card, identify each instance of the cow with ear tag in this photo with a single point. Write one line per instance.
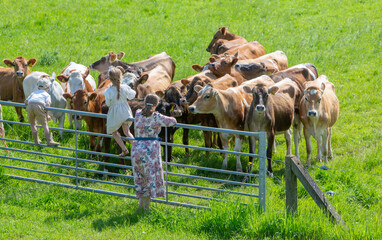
(318, 112)
(272, 111)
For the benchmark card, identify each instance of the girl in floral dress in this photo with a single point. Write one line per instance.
(119, 110)
(146, 152)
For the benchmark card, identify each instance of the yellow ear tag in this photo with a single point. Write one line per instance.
(172, 108)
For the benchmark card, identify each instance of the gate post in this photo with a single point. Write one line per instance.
(262, 170)
(291, 186)
(76, 142)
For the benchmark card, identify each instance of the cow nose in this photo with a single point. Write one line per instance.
(91, 66)
(19, 74)
(183, 102)
(192, 109)
(260, 108)
(312, 113)
(237, 67)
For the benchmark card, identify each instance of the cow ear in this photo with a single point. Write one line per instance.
(63, 78)
(198, 88)
(113, 57)
(197, 67)
(185, 82)
(8, 62)
(224, 30)
(323, 87)
(143, 79)
(32, 62)
(92, 96)
(85, 75)
(160, 93)
(234, 60)
(120, 55)
(247, 89)
(53, 77)
(68, 96)
(273, 90)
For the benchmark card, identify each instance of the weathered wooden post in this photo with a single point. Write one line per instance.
(293, 170)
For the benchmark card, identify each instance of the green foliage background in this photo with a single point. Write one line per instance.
(342, 39)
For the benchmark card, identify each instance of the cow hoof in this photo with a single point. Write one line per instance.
(239, 169)
(270, 174)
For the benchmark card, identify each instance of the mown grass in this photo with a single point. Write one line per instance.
(343, 40)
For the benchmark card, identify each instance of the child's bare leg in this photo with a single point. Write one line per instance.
(126, 131)
(119, 141)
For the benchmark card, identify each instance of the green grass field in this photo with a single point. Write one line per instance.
(342, 39)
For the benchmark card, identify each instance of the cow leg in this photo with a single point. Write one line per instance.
(308, 146)
(252, 146)
(207, 140)
(271, 140)
(325, 138)
(19, 114)
(288, 139)
(319, 142)
(61, 124)
(186, 139)
(238, 143)
(330, 152)
(225, 140)
(297, 127)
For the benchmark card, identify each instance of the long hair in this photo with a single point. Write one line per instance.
(115, 75)
(151, 100)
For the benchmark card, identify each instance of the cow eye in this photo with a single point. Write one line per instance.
(85, 102)
(206, 96)
(306, 98)
(319, 100)
(26, 64)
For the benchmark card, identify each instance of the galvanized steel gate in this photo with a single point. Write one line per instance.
(73, 168)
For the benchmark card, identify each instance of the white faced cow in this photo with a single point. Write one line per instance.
(55, 91)
(318, 112)
(76, 76)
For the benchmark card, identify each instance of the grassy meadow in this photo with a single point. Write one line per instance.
(342, 39)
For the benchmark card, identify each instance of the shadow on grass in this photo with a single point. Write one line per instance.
(127, 219)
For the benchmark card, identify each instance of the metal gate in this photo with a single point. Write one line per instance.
(71, 165)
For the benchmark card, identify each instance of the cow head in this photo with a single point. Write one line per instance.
(312, 101)
(80, 100)
(251, 70)
(20, 64)
(169, 109)
(191, 95)
(106, 61)
(222, 33)
(76, 80)
(223, 65)
(206, 101)
(260, 95)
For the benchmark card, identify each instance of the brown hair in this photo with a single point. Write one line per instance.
(115, 75)
(151, 100)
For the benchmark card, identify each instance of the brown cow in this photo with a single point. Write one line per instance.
(318, 112)
(229, 107)
(272, 111)
(157, 79)
(224, 40)
(137, 68)
(11, 81)
(264, 65)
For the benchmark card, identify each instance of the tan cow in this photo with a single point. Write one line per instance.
(319, 111)
(272, 111)
(157, 79)
(229, 107)
(224, 40)
(11, 81)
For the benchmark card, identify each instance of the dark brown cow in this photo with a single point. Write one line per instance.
(318, 112)
(11, 81)
(224, 40)
(272, 111)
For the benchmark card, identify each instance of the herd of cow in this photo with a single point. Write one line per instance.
(240, 88)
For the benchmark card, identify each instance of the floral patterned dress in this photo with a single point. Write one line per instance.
(146, 154)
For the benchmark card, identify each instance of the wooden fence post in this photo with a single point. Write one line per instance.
(293, 170)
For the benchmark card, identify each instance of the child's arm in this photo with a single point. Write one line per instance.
(166, 121)
(130, 92)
